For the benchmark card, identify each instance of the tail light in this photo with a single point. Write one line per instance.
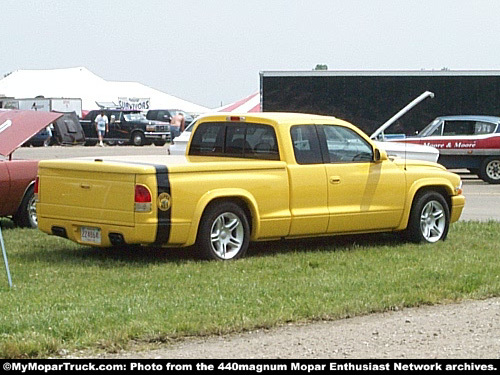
(142, 199)
(37, 187)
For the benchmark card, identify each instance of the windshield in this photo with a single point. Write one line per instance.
(429, 129)
(190, 127)
(134, 117)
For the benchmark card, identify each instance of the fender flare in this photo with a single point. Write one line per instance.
(221, 194)
(432, 183)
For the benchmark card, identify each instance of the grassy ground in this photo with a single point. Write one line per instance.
(72, 297)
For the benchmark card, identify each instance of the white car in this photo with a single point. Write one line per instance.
(408, 151)
(179, 144)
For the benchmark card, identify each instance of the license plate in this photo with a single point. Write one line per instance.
(91, 235)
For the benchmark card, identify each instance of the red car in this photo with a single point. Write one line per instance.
(17, 177)
(465, 141)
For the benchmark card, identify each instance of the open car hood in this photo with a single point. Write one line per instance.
(402, 112)
(17, 126)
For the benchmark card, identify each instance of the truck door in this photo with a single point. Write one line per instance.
(308, 188)
(362, 194)
(120, 126)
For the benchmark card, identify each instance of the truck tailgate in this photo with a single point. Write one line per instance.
(87, 191)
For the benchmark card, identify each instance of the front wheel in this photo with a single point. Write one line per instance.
(429, 218)
(224, 232)
(138, 138)
(490, 170)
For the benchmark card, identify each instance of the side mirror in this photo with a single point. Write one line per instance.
(380, 155)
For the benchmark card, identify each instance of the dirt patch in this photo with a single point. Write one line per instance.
(467, 330)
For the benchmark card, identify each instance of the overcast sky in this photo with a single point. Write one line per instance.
(211, 51)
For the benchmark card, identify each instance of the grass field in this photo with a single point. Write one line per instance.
(71, 297)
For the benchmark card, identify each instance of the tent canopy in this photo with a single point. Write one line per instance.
(249, 104)
(81, 83)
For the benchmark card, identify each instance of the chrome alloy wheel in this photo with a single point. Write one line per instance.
(33, 220)
(493, 169)
(433, 221)
(227, 235)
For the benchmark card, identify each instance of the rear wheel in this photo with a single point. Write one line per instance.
(490, 170)
(26, 214)
(429, 218)
(224, 232)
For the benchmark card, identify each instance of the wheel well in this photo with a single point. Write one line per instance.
(237, 200)
(437, 189)
(30, 185)
(135, 131)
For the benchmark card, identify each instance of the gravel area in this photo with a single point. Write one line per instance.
(470, 329)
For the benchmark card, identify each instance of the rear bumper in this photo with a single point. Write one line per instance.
(457, 206)
(110, 235)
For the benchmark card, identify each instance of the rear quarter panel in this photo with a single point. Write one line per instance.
(261, 185)
(15, 178)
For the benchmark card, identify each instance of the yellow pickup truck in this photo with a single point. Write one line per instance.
(248, 177)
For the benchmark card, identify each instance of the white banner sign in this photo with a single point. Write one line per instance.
(134, 103)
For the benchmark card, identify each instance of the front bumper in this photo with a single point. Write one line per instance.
(457, 206)
(163, 136)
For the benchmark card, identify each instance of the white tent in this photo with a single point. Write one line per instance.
(81, 83)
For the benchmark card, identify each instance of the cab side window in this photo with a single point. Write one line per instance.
(458, 128)
(240, 140)
(306, 144)
(482, 127)
(208, 139)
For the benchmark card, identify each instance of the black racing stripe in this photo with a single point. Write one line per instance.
(163, 183)
(164, 217)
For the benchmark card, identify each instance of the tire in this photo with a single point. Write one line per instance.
(224, 232)
(429, 218)
(26, 214)
(138, 139)
(159, 143)
(490, 170)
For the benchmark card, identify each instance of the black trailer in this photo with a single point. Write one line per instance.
(369, 98)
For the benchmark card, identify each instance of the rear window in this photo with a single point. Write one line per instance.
(245, 140)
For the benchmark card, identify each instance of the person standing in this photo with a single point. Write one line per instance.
(177, 125)
(49, 129)
(101, 126)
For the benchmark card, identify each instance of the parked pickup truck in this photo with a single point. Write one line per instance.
(126, 126)
(248, 177)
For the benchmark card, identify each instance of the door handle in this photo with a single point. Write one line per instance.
(335, 180)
